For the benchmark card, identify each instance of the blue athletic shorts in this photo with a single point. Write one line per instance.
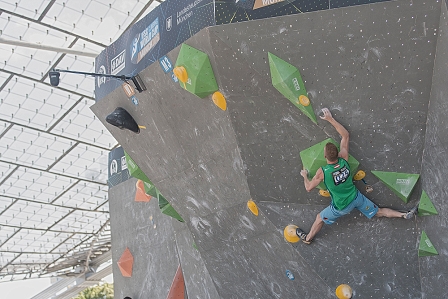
(362, 203)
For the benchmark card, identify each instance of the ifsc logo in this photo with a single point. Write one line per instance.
(169, 23)
(101, 80)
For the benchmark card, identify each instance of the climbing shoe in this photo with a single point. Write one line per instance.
(302, 235)
(409, 214)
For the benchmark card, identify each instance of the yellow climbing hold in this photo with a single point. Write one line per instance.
(181, 73)
(344, 291)
(359, 175)
(304, 100)
(219, 100)
(324, 193)
(252, 207)
(290, 233)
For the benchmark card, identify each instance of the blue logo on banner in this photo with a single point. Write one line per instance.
(166, 64)
(144, 41)
(174, 77)
(134, 100)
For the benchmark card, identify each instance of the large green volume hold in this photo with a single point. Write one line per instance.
(313, 158)
(201, 78)
(401, 184)
(287, 80)
(426, 248)
(425, 207)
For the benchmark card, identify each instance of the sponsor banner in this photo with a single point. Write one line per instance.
(156, 34)
(118, 170)
(264, 3)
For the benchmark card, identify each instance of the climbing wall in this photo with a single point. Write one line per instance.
(189, 151)
(372, 66)
(434, 269)
(158, 245)
(144, 241)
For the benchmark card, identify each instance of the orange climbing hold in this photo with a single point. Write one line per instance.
(324, 193)
(219, 100)
(140, 194)
(177, 289)
(359, 175)
(252, 207)
(290, 233)
(181, 73)
(125, 263)
(344, 291)
(304, 100)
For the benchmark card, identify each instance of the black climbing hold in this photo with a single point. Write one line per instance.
(123, 120)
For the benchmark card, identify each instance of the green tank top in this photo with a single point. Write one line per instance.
(339, 182)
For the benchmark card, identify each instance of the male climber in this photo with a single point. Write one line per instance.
(338, 179)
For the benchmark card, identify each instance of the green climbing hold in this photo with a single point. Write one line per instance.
(170, 211)
(162, 200)
(401, 184)
(134, 170)
(313, 158)
(426, 208)
(150, 189)
(426, 248)
(287, 80)
(201, 78)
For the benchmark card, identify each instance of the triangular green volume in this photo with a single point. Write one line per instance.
(201, 78)
(313, 158)
(426, 248)
(170, 211)
(401, 184)
(426, 208)
(287, 80)
(134, 170)
(150, 189)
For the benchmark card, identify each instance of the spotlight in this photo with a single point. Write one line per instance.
(54, 78)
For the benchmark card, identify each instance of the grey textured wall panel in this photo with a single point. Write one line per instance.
(371, 65)
(153, 249)
(198, 282)
(434, 170)
(352, 251)
(208, 187)
(254, 265)
(271, 258)
(213, 231)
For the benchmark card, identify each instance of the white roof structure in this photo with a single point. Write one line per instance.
(54, 214)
